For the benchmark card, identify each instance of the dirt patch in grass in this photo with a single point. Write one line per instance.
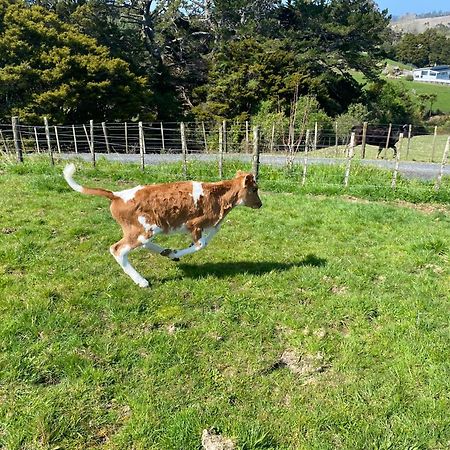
(211, 440)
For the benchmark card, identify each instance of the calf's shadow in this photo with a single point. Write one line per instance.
(227, 269)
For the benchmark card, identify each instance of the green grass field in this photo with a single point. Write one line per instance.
(317, 322)
(443, 92)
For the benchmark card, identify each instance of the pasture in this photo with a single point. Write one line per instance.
(317, 322)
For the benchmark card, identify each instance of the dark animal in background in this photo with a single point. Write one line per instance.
(378, 136)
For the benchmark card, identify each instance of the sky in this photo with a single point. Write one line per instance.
(400, 7)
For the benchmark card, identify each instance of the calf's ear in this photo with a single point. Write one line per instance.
(249, 179)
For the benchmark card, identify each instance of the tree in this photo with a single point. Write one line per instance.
(49, 68)
(424, 49)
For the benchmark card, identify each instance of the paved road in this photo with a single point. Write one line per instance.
(420, 170)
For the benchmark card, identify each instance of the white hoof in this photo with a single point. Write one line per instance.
(143, 283)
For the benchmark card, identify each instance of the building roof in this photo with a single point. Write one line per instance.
(435, 68)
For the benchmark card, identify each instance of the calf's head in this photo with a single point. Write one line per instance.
(248, 190)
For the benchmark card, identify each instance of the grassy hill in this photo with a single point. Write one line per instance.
(443, 92)
(419, 25)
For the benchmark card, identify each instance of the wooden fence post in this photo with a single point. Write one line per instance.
(90, 143)
(397, 160)
(57, 139)
(17, 143)
(305, 160)
(272, 139)
(91, 126)
(247, 137)
(163, 142)
(255, 157)
(47, 135)
(184, 148)
(387, 140)
(37, 140)
(316, 132)
(409, 141)
(351, 151)
(225, 137)
(126, 138)
(364, 138)
(204, 137)
(434, 144)
(220, 152)
(105, 133)
(437, 186)
(336, 139)
(142, 145)
(75, 138)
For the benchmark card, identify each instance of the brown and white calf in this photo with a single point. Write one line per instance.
(192, 207)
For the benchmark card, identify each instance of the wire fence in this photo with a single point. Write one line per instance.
(210, 141)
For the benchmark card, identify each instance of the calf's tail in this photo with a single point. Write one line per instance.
(69, 170)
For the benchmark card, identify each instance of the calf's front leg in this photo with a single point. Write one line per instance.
(199, 243)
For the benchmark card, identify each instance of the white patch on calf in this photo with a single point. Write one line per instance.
(147, 227)
(197, 191)
(128, 194)
(144, 223)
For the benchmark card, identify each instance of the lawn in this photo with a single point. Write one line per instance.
(442, 91)
(317, 322)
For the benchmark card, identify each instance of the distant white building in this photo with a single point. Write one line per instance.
(436, 74)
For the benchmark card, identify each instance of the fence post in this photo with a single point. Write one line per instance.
(184, 148)
(204, 137)
(305, 161)
(316, 132)
(126, 138)
(255, 157)
(37, 140)
(4, 142)
(349, 159)
(220, 152)
(225, 138)
(434, 144)
(272, 139)
(163, 143)
(409, 140)
(437, 186)
(397, 160)
(47, 135)
(142, 145)
(57, 139)
(91, 126)
(336, 139)
(247, 137)
(364, 138)
(387, 140)
(105, 133)
(17, 143)
(90, 143)
(75, 138)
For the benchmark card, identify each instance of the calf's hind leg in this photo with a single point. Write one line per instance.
(120, 252)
